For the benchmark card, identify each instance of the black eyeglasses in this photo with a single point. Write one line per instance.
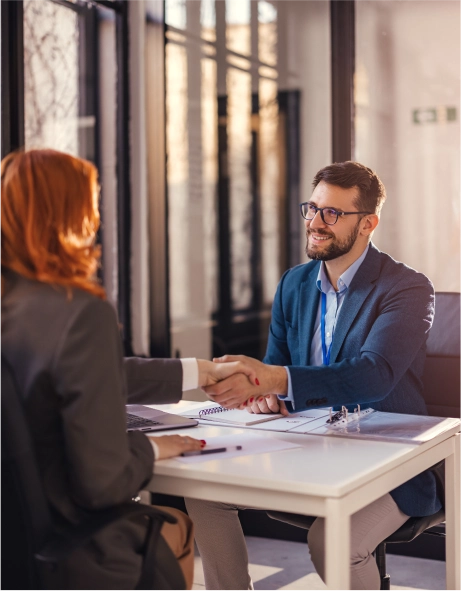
(328, 214)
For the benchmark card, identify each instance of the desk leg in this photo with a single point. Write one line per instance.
(337, 546)
(452, 514)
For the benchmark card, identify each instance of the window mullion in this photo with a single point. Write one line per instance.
(12, 76)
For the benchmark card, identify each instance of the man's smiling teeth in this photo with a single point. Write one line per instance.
(320, 237)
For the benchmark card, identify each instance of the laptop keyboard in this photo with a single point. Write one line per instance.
(135, 422)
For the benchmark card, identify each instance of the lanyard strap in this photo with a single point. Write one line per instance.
(325, 352)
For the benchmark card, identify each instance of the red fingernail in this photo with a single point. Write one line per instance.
(245, 403)
(251, 399)
(202, 441)
(257, 381)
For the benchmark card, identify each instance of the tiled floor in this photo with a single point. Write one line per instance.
(275, 564)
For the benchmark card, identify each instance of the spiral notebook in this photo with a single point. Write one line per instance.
(219, 414)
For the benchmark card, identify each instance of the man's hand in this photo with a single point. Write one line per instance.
(210, 373)
(236, 390)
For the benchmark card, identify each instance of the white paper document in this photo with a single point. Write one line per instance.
(250, 446)
(307, 418)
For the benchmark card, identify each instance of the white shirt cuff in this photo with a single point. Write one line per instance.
(189, 373)
(289, 395)
(155, 447)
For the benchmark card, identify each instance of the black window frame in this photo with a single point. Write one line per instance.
(12, 73)
(342, 27)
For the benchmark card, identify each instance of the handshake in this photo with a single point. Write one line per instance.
(237, 381)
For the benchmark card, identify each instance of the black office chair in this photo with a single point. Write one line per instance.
(33, 552)
(441, 393)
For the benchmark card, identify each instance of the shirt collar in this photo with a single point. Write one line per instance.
(323, 283)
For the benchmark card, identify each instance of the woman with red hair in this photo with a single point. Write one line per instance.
(61, 338)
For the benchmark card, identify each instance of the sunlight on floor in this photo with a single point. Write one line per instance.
(276, 564)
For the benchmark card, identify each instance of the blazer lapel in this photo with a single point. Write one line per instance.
(362, 284)
(308, 305)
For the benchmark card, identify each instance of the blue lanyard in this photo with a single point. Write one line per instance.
(325, 353)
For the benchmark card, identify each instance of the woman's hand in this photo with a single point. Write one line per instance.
(170, 446)
(266, 405)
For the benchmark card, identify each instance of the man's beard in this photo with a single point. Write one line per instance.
(335, 249)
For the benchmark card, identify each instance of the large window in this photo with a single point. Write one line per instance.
(248, 125)
(224, 177)
(73, 92)
(209, 242)
(63, 95)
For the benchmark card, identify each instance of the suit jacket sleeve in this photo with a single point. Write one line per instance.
(153, 381)
(106, 465)
(278, 350)
(398, 331)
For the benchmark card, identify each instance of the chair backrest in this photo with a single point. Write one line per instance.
(26, 519)
(442, 368)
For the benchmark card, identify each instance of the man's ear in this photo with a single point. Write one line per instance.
(369, 224)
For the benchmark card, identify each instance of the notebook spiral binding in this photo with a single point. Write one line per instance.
(210, 411)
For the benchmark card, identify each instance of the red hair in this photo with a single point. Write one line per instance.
(50, 218)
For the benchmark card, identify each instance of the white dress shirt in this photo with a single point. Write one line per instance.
(189, 382)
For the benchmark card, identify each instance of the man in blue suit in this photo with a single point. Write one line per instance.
(349, 327)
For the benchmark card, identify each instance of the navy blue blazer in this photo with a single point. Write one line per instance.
(377, 354)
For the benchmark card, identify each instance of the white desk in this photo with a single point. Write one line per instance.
(332, 477)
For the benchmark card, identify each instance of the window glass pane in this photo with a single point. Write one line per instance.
(271, 204)
(61, 94)
(238, 34)
(177, 177)
(267, 33)
(107, 160)
(208, 20)
(407, 128)
(51, 76)
(241, 219)
(192, 171)
(210, 180)
(175, 13)
(238, 62)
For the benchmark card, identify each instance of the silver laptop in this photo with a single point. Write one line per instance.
(143, 418)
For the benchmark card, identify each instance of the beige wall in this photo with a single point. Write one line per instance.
(408, 58)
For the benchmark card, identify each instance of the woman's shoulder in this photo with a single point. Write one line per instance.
(55, 305)
(38, 319)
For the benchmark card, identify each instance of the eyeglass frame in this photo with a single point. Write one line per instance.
(321, 209)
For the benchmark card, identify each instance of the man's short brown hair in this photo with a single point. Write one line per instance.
(346, 175)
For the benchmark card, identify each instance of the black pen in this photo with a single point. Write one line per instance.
(202, 452)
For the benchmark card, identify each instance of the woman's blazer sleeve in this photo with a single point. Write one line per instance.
(153, 381)
(105, 464)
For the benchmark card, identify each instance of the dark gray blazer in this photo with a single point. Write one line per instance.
(378, 349)
(66, 354)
